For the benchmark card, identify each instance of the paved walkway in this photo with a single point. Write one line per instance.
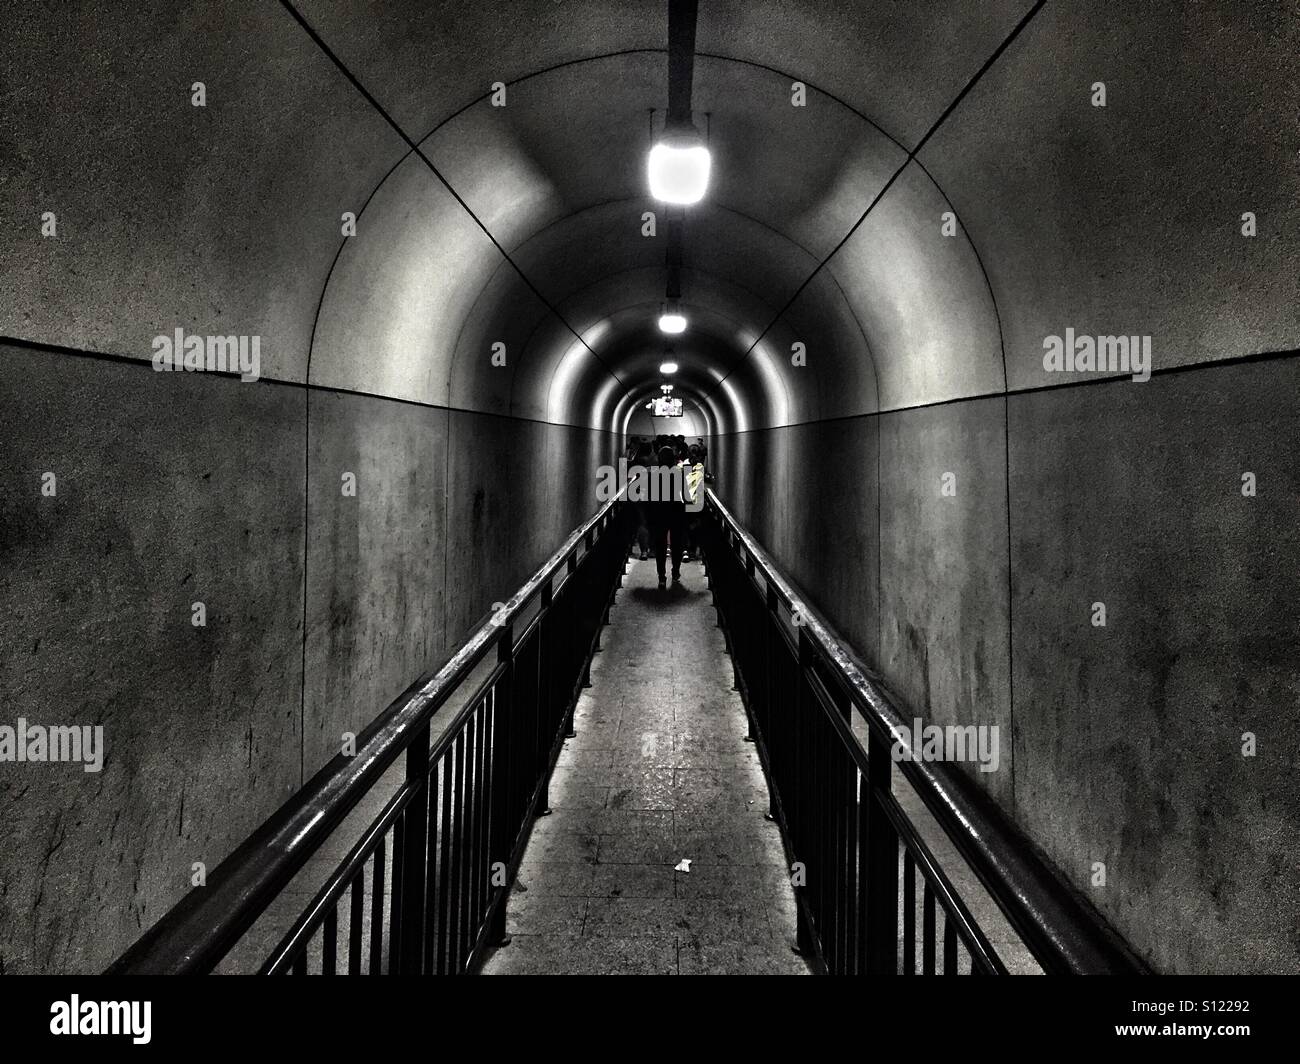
(658, 773)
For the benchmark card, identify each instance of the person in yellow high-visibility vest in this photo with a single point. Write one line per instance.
(694, 472)
(695, 455)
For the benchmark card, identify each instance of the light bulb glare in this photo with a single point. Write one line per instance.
(679, 170)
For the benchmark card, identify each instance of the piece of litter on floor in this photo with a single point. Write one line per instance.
(684, 866)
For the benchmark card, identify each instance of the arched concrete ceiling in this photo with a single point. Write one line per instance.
(228, 222)
(556, 176)
(1127, 219)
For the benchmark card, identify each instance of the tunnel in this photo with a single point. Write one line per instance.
(323, 322)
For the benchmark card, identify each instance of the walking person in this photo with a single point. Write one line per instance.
(642, 462)
(667, 515)
(694, 481)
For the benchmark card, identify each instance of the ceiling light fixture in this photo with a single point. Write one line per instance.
(668, 368)
(672, 324)
(672, 320)
(679, 166)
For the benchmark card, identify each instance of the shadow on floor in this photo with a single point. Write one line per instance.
(665, 597)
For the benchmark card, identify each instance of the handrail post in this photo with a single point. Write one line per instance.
(882, 863)
(767, 697)
(408, 943)
(770, 694)
(502, 811)
(801, 786)
(549, 629)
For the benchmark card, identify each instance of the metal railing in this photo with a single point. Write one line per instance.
(424, 889)
(853, 850)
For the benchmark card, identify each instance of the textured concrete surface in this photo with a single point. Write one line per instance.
(900, 66)
(1127, 218)
(515, 490)
(657, 773)
(376, 561)
(1129, 737)
(220, 219)
(816, 504)
(944, 633)
(401, 289)
(920, 300)
(172, 489)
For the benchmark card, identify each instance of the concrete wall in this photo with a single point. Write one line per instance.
(179, 488)
(171, 489)
(1120, 744)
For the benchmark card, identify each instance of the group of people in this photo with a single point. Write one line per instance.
(668, 526)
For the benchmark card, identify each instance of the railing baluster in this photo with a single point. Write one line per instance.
(431, 886)
(330, 942)
(864, 876)
(395, 895)
(882, 907)
(949, 945)
(466, 838)
(412, 843)
(485, 839)
(377, 911)
(849, 852)
(927, 931)
(478, 849)
(909, 913)
(356, 919)
(502, 820)
(444, 878)
(826, 837)
(805, 754)
(841, 861)
(457, 854)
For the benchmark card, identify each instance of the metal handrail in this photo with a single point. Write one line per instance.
(206, 924)
(1061, 928)
(971, 933)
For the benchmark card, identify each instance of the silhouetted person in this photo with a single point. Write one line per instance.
(667, 515)
(645, 459)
